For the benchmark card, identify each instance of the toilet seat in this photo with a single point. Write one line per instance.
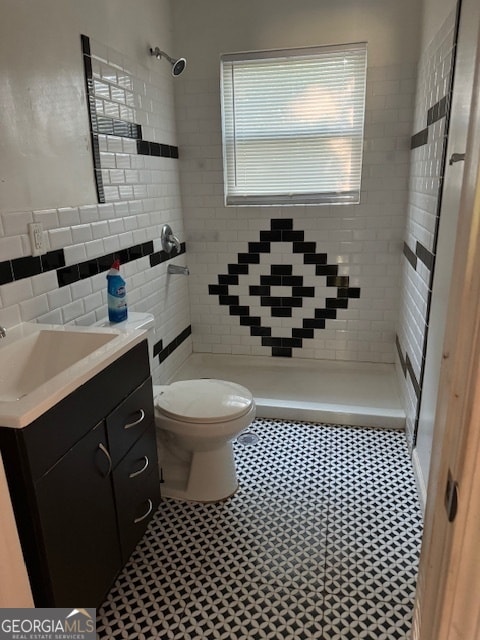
(203, 401)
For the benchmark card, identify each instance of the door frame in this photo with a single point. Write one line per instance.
(446, 604)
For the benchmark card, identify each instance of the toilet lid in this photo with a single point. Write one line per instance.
(206, 400)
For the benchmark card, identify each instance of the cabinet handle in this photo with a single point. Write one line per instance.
(137, 473)
(145, 515)
(132, 424)
(104, 450)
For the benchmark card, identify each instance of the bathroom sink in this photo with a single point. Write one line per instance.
(32, 360)
(41, 364)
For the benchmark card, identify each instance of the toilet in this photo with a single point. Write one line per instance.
(197, 421)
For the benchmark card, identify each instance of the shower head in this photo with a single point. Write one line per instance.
(178, 64)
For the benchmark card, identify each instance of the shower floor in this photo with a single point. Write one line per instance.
(350, 393)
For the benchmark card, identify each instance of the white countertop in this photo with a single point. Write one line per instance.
(20, 412)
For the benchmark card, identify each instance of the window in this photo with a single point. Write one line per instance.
(293, 125)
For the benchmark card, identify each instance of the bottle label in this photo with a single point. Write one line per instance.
(117, 300)
(117, 309)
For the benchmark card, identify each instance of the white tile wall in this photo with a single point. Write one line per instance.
(365, 240)
(424, 193)
(143, 193)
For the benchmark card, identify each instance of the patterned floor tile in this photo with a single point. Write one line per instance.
(348, 617)
(320, 541)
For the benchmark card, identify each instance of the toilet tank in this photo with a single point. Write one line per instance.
(135, 320)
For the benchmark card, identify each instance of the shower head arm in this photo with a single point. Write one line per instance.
(158, 53)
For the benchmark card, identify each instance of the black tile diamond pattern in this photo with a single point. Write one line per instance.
(320, 541)
(281, 275)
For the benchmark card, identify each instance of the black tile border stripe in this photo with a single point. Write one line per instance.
(30, 266)
(434, 114)
(416, 386)
(75, 272)
(26, 267)
(162, 256)
(419, 139)
(6, 272)
(112, 127)
(400, 356)
(410, 255)
(425, 255)
(163, 353)
(438, 111)
(421, 253)
(157, 149)
(407, 367)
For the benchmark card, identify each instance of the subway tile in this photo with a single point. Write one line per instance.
(68, 216)
(6, 272)
(72, 311)
(74, 254)
(16, 292)
(281, 223)
(59, 238)
(52, 260)
(16, 223)
(67, 275)
(26, 267)
(34, 307)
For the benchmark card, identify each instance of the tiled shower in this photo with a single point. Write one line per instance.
(360, 244)
(348, 283)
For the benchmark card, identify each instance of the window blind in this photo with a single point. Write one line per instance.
(293, 125)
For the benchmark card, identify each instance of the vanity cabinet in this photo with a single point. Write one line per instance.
(84, 483)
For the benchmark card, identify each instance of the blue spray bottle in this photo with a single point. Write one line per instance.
(116, 294)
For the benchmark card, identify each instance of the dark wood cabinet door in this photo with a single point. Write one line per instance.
(78, 523)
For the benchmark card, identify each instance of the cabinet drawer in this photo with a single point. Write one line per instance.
(137, 490)
(128, 421)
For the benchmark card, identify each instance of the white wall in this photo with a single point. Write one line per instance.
(434, 14)
(205, 29)
(364, 240)
(46, 166)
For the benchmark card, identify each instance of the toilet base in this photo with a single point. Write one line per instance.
(212, 477)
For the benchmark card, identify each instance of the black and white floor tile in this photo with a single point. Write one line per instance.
(320, 541)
